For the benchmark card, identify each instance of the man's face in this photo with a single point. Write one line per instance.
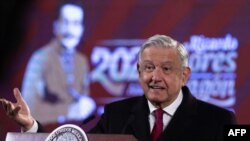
(69, 27)
(161, 75)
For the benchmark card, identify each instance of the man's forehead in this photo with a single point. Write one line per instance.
(160, 56)
(72, 12)
(163, 62)
(159, 52)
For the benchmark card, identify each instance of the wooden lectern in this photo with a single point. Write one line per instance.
(14, 136)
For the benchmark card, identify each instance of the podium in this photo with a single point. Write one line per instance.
(15, 136)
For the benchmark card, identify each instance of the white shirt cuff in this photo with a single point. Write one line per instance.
(33, 129)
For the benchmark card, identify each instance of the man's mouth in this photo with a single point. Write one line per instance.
(156, 87)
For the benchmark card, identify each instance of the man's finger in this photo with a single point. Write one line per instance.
(4, 104)
(16, 110)
(10, 107)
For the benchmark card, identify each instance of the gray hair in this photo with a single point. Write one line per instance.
(166, 42)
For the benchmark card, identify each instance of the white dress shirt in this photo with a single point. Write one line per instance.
(168, 111)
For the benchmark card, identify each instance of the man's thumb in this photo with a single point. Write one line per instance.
(18, 95)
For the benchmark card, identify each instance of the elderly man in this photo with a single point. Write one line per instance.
(166, 112)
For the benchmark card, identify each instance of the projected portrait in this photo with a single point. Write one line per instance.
(56, 83)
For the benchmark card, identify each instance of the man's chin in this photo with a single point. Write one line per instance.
(155, 100)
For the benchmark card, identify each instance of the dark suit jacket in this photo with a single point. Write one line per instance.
(194, 120)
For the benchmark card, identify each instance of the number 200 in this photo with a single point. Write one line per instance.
(119, 65)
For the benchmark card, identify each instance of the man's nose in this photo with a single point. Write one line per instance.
(157, 74)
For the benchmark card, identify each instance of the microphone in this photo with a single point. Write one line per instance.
(88, 119)
(130, 119)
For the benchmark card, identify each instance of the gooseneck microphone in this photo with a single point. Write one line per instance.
(88, 119)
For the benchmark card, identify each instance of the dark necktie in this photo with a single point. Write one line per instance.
(158, 126)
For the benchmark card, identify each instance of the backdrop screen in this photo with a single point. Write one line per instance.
(215, 33)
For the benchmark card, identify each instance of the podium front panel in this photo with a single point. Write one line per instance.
(15, 136)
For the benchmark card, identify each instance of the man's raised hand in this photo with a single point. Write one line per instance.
(18, 111)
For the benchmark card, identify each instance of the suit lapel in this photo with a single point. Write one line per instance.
(140, 124)
(182, 118)
(179, 123)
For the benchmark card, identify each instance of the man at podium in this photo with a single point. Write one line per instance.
(166, 112)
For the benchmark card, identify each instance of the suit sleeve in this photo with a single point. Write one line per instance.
(40, 128)
(102, 124)
(228, 119)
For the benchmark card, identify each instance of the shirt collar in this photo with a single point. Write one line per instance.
(170, 110)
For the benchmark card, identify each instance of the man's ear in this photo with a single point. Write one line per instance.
(186, 73)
